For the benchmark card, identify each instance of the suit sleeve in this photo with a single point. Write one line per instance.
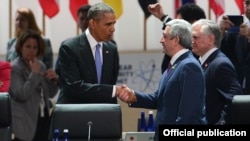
(227, 86)
(74, 87)
(192, 98)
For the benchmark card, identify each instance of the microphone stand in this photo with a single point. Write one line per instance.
(89, 124)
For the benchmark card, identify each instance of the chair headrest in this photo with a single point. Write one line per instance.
(5, 108)
(76, 118)
(240, 110)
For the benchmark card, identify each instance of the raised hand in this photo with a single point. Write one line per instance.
(156, 10)
(34, 65)
(225, 24)
(51, 74)
(244, 30)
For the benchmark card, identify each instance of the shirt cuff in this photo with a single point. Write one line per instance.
(113, 92)
(166, 19)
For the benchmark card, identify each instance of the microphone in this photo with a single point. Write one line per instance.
(89, 124)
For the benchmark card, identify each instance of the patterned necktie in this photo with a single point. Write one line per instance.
(98, 62)
(169, 67)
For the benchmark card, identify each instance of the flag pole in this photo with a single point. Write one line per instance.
(10, 18)
(209, 11)
(43, 24)
(145, 33)
(77, 30)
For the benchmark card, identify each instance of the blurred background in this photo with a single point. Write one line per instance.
(137, 35)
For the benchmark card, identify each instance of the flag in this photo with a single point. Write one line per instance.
(5, 70)
(144, 5)
(74, 5)
(179, 3)
(217, 6)
(240, 4)
(116, 5)
(50, 7)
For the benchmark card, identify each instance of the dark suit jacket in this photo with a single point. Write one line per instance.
(180, 98)
(242, 50)
(78, 78)
(221, 86)
(166, 59)
(237, 49)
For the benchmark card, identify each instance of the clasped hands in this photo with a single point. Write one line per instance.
(125, 94)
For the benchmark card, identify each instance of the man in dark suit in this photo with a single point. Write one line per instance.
(189, 12)
(78, 76)
(236, 46)
(82, 22)
(221, 79)
(180, 97)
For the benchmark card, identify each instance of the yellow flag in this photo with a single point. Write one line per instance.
(116, 5)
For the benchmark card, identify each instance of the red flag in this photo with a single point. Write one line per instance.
(240, 4)
(74, 5)
(50, 7)
(217, 6)
(5, 71)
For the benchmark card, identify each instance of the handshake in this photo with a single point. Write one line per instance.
(125, 94)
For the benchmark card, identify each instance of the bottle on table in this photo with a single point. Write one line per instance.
(143, 124)
(151, 123)
(56, 135)
(65, 135)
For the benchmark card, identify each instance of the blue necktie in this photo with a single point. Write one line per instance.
(98, 62)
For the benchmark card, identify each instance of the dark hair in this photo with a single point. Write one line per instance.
(97, 11)
(29, 16)
(27, 34)
(83, 8)
(191, 12)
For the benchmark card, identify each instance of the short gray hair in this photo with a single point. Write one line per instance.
(209, 27)
(97, 11)
(182, 29)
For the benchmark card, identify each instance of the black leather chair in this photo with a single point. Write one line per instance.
(106, 121)
(240, 110)
(5, 117)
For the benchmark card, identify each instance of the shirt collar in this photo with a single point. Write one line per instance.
(207, 54)
(177, 55)
(91, 39)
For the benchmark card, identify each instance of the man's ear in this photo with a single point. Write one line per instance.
(91, 23)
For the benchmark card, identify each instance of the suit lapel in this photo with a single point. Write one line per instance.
(106, 53)
(166, 76)
(206, 64)
(87, 54)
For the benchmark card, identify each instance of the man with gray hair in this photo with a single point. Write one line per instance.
(89, 63)
(180, 97)
(221, 79)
